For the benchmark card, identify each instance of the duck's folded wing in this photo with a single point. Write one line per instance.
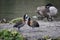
(21, 25)
(17, 24)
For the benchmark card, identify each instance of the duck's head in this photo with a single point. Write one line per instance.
(48, 5)
(25, 17)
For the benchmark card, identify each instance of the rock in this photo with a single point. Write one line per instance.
(46, 28)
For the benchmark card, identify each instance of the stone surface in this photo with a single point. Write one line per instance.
(46, 28)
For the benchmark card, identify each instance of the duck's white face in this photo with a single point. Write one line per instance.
(26, 18)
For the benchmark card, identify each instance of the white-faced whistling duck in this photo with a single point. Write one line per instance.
(22, 22)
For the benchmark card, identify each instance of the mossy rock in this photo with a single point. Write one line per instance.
(58, 38)
(16, 20)
(46, 37)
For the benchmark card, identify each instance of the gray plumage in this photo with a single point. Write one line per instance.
(21, 23)
(48, 11)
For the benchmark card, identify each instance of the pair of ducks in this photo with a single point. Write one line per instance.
(48, 11)
(45, 11)
(26, 20)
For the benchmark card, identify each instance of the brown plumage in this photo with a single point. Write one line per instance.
(32, 23)
(48, 11)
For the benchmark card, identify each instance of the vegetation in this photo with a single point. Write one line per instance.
(10, 35)
(49, 38)
(16, 20)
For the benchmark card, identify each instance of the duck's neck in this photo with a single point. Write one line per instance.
(28, 23)
(25, 21)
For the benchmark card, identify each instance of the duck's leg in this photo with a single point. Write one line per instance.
(50, 18)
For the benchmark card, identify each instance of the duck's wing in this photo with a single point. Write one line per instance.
(17, 24)
(21, 25)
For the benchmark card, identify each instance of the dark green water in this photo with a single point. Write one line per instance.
(10, 9)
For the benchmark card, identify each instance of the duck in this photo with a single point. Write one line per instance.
(47, 11)
(42, 12)
(22, 22)
(51, 11)
(32, 23)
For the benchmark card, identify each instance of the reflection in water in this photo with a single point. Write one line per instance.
(10, 9)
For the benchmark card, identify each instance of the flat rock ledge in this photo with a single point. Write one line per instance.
(46, 28)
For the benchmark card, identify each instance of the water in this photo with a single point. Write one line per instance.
(10, 9)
